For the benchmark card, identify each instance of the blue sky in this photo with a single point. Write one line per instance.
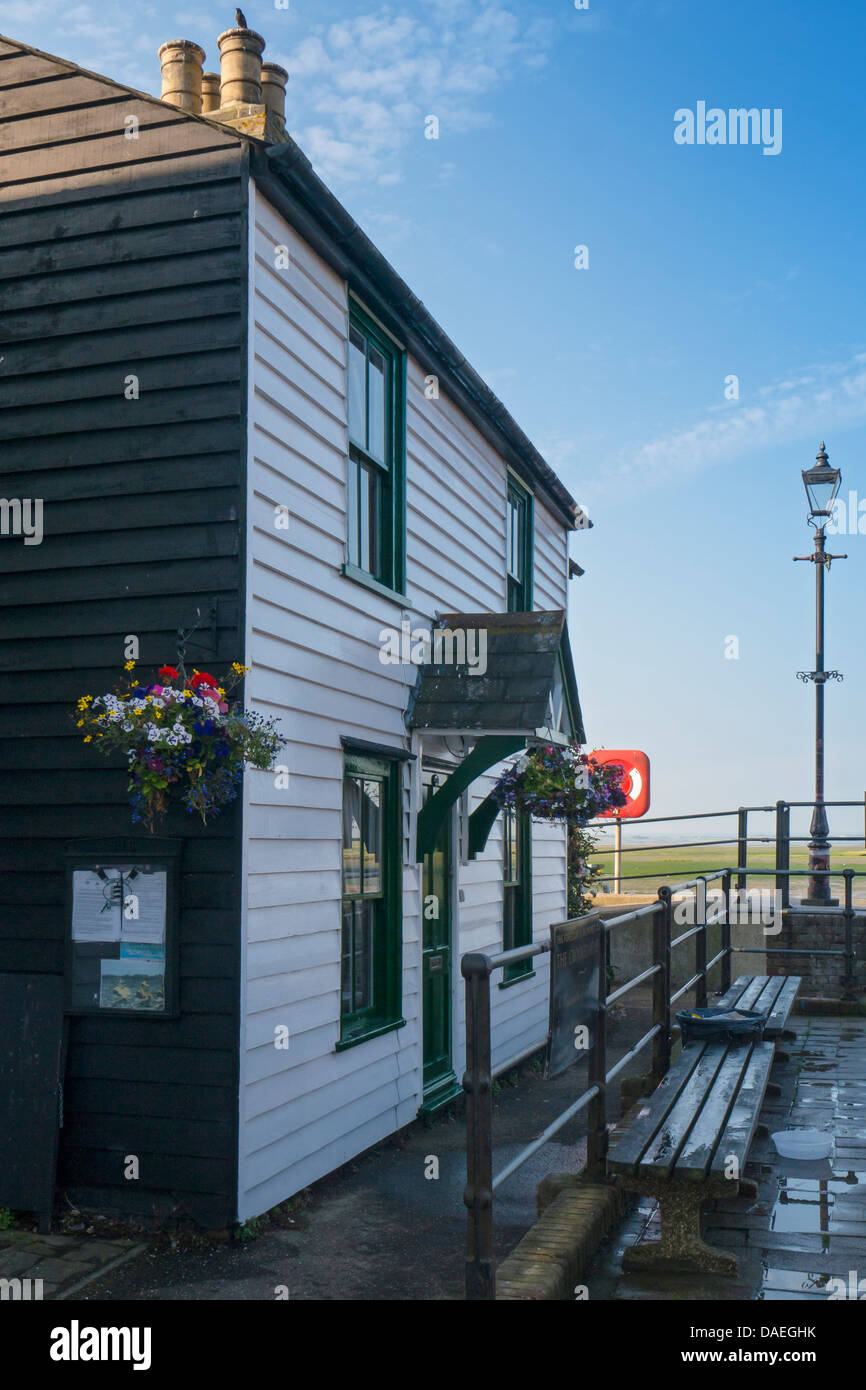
(705, 261)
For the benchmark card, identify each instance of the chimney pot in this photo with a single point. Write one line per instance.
(181, 62)
(274, 79)
(210, 92)
(241, 66)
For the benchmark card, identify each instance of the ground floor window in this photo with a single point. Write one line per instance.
(370, 963)
(516, 889)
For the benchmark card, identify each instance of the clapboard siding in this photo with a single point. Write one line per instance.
(120, 257)
(313, 645)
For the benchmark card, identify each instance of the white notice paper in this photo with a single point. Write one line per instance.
(144, 906)
(95, 905)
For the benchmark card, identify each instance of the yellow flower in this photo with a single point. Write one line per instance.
(80, 723)
(129, 665)
(88, 738)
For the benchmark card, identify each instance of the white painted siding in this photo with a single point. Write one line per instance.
(312, 645)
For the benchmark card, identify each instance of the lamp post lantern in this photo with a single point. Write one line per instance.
(822, 484)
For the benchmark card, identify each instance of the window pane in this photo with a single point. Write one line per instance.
(509, 903)
(357, 388)
(370, 542)
(346, 961)
(377, 382)
(511, 865)
(372, 836)
(351, 835)
(515, 537)
(354, 539)
(362, 964)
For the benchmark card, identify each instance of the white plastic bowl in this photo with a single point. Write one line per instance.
(803, 1143)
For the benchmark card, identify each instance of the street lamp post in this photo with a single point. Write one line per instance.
(822, 484)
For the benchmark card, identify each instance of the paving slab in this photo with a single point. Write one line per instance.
(64, 1263)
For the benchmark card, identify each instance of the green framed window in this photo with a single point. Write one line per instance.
(377, 450)
(520, 557)
(516, 889)
(372, 928)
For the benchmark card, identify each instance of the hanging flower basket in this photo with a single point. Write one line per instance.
(182, 739)
(561, 785)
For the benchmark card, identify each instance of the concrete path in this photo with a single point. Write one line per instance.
(379, 1229)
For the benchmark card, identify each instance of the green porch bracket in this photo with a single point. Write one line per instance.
(481, 823)
(489, 750)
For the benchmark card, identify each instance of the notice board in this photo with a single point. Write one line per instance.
(32, 1054)
(122, 938)
(575, 980)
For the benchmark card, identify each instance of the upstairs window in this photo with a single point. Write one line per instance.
(519, 548)
(376, 522)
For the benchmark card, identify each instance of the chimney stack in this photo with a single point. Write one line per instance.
(181, 61)
(210, 92)
(241, 66)
(274, 79)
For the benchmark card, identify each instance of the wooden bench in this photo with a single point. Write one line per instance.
(774, 992)
(689, 1144)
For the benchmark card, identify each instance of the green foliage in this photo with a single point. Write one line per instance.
(7, 1220)
(583, 879)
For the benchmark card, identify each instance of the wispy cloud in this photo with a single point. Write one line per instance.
(361, 88)
(802, 406)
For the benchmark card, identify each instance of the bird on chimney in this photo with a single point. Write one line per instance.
(240, 19)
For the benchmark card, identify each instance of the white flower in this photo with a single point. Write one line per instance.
(127, 725)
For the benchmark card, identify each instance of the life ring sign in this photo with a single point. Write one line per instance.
(635, 782)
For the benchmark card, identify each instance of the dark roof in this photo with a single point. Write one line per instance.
(524, 652)
(287, 176)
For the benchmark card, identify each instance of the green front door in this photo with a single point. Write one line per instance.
(440, 1083)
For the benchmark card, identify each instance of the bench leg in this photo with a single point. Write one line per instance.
(681, 1246)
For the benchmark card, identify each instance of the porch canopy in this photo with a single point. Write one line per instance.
(504, 680)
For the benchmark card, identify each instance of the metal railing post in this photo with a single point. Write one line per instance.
(742, 847)
(726, 932)
(477, 1084)
(662, 985)
(783, 852)
(596, 1144)
(849, 990)
(701, 940)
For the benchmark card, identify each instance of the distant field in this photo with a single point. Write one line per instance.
(661, 864)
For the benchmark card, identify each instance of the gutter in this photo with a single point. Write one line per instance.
(286, 176)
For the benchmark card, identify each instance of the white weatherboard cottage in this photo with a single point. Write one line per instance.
(315, 634)
(313, 462)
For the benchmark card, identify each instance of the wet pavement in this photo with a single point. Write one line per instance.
(803, 1237)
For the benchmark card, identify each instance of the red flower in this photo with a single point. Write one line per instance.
(167, 673)
(202, 678)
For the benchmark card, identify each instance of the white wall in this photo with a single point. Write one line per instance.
(312, 644)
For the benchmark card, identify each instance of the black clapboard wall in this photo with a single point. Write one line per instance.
(31, 1057)
(120, 256)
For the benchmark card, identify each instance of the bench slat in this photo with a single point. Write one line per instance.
(696, 1157)
(626, 1155)
(743, 1120)
(662, 1153)
(769, 994)
(782, 1007)
(731, 996)
(752, 991)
